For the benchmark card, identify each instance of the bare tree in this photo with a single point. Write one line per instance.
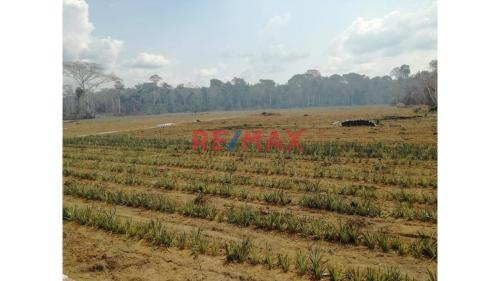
(88, 76)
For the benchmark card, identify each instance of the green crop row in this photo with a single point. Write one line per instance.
(318, 149)
(326, 201)
(312, 263)
(259, 167)
(344, 233)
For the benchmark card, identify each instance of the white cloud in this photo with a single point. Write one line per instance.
(278, 20)
(80, 44)
(147, 60)
(274, 54)
(202, 76)
(274, 59)
(271, 31)
(78, 41)
(374, 46)
(280, 53)
(208, 71)
(102, 50)
(76, 28)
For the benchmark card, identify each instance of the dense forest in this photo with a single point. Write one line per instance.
(88, 96)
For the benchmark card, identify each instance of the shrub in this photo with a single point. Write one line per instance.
(243, 215)
(153, 231)
(181, 240)
(254, 256)
(383, 241)
(426, 246)
(284, 262)
(166, 183)
(334, 274)
(204, 211)
(301, 263)
(432, 276)
(369, 240)
(365, 191)
(353, 275)
(199, 243)
(331, 202)
(158, 234)
(238, 252)
(268, 257)
(278, 197)
(316, 263)
(411, 213)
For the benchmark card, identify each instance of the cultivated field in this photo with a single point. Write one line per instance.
(359, 203)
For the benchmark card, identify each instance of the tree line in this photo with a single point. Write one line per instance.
(87, 96)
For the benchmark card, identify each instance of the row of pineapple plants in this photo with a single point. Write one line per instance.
(311, 262)
(245, 216)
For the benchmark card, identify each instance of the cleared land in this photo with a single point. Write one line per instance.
(360, 203)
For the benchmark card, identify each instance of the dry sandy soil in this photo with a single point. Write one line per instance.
(93, 253)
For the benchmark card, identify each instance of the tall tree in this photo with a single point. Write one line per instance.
(88, 76)
(433, 65)
(155, 78)
(401, 72)
(119, 87)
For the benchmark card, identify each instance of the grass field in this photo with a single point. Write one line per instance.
(359, 204)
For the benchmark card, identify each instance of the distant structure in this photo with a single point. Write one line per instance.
(359, 122)
(164, 125)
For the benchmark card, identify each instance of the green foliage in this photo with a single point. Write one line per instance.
(383, 241)
(181, 240)
(132, 199)
(345, 233)
(268, 257)
(369, 240)
(199, 210)
(301, 90)
(158, 233)
(284, 262)
(413, 213)
(316, 263)
(334, 274)
(353, 275)
(106, 219)
(432, 276)
(323, 149)
(365, 191)
(239, 251)
(243, 216)
(254, 256)
(331, 202)
(199, 243)
(426, 246)
(301, 263)
(277, 197)
(405, 196)
(342, 232)
(166, 183)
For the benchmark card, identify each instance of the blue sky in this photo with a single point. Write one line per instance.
(191, 42)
